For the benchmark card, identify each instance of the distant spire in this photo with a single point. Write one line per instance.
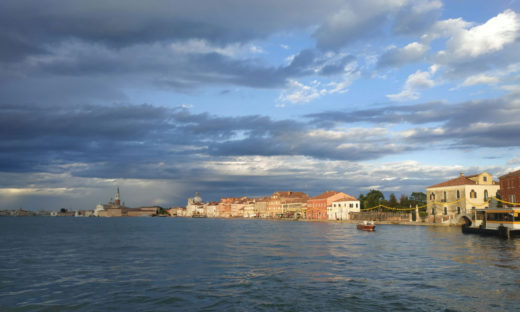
(118, 198)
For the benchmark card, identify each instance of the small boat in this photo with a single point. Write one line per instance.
(366, 226)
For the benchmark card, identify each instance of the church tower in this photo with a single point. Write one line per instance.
(118, 200)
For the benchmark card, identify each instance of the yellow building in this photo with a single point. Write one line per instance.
(464, 196)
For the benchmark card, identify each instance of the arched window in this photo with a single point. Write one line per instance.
(486, 195)
(432, 196)
(472, 194)
(458, 194)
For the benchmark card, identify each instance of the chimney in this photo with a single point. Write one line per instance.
(462, 174)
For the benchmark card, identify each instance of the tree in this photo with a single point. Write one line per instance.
(499, 203)
(404, 202)
(373, 198)
(361, 199)
(392, 200)
(418, 198)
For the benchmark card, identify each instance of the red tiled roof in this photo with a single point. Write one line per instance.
(291, 194)
(510, 174)
(346, 198)
(325, 195)
(454, 182)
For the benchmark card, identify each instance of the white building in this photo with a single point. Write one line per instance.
(341, 208)
(195, 206)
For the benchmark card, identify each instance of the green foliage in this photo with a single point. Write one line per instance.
(499, 203)
(162, 211)
(404, 202)
(373, 198)
(392, 200)
(361, 199)
(417, 198)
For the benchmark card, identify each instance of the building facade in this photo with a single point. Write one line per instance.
(341, 208)
(510, 188)
(317, 206)
(287, 203)
(463, 196)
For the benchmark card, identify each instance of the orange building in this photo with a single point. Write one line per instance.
(317, 206)
(282, 202)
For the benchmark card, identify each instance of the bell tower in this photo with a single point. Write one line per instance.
(118, 199)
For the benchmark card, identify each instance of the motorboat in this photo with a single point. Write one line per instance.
(366, 226)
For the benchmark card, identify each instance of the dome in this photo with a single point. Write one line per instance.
(197, 199)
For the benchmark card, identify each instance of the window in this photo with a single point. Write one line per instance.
(432, 196)
(433, 211)
(485, 195)
(444, 196)
(512, 198)
(472, 194)
(351, 205)
(458, 194)
(484, 178)
(458, 210)
(445, 211)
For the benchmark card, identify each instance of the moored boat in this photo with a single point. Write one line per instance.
(504, 222)
(366, 226)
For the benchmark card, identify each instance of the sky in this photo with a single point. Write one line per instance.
(244, 98)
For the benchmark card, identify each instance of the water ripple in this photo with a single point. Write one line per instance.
(162, 264)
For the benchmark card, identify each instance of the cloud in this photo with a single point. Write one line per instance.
(480, 79)
(417, 17)
(29, 27)
(300, 93)
(487, 38)
(143, 141)
(417, 81)
(472, 50)
(395, 57)
(480, 123)
(353, 21)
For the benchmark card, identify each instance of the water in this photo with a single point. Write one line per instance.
(167, 264)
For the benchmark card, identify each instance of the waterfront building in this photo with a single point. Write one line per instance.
(261, 207)
(195, 206)
(224, 207)
(287, 203)
(238, 205)
(341, 208)
(116, 209)
(211, 210)
(464, 196)
(510, 188)
(177, 212)
(317, 206)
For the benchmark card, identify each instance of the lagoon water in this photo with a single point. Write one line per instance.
(169, 264)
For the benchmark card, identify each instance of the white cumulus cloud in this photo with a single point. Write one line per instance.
(415, 82)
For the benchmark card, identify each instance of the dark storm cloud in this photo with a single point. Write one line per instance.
(126, 43)
(134, 138)
(32, 27)
(484, 123)
(87, 65)
(27, 27)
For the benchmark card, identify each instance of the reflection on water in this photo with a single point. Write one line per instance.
(163, 264)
